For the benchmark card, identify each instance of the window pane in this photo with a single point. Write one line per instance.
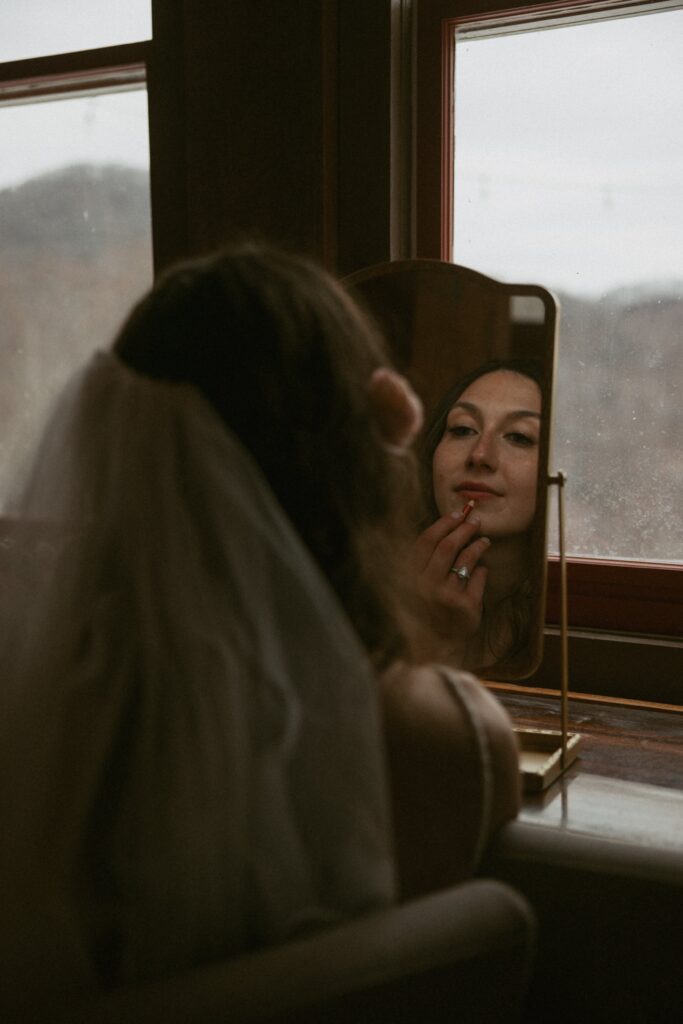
(35, 28)
(75, 246)
(569, 174)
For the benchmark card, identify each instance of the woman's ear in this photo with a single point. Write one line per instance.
(396, 407)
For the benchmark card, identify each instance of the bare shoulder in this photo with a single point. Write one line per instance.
(435, 756)
(503, 751)
(431, 697)
(485, 704)
(443, 716)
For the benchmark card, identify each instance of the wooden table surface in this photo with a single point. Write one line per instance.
(627, 783)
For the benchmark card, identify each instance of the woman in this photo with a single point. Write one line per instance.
(193, 759)
(480, 454)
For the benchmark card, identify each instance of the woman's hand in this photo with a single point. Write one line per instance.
(453, 602)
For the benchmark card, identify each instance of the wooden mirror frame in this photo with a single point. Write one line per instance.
(441, 321)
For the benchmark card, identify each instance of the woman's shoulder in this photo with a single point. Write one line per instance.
(443, 698)
(453, 766)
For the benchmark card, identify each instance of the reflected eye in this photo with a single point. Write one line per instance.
(461, 430)
(521, 440)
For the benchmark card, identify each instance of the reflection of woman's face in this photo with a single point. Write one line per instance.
(489, 452)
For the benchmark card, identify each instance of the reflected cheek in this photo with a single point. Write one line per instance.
(527, 498)
(441, 492)
(442, 480)
(528, 509)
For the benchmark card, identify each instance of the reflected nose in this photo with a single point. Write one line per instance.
(483, 453)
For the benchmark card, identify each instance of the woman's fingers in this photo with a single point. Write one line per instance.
(471, 590)
(438, 551)
(467, 558)
(427, 541)
(442, 539)
(454, 600)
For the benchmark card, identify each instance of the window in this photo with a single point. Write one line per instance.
(569, 170)
(621, 577)
(75, 227)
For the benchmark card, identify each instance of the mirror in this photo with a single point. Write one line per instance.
(444, 323)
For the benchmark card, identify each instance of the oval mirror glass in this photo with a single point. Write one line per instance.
(481, 356)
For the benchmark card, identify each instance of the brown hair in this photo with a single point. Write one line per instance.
(285, 358)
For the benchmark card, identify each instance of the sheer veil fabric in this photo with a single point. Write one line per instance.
(192, 759)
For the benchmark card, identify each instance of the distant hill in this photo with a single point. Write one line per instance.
(81, 208)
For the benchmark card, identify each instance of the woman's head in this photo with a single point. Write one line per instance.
(293, 369)
(482, 444)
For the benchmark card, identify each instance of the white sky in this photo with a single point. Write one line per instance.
(40, 137)
(569, 154)
(34, 28)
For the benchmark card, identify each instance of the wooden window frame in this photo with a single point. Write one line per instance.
(82, 72)
(616, 596)
(109, 67)
(156, 62)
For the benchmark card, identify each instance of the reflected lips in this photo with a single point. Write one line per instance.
(476, 492)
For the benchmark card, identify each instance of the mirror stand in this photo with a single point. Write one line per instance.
(545, 754)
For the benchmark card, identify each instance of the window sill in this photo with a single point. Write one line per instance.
(619, 595)
(623, 666)
(599, 856)
(630, 741)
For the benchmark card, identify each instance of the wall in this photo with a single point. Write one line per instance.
(272, 117)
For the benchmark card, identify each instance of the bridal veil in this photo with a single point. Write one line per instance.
(191, 754)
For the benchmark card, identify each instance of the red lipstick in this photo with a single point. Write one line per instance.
(467, 509)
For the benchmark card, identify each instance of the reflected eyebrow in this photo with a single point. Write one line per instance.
(513, 415)
(518, 413)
